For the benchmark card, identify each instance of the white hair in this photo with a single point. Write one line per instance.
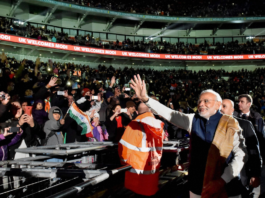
(218, 97)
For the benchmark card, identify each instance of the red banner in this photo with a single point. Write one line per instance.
(47, 44)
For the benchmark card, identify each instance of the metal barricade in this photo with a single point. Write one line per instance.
(67, 169)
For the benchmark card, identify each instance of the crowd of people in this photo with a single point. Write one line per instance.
(222, 113)
(29, 83)
(36, 98)
(190, 8)
(218, 48)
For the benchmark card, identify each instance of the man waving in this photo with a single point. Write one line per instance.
(218, 151)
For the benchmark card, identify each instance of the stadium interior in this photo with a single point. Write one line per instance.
(200, 42)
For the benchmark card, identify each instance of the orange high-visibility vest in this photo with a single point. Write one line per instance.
(141, 147)
(47, 105)
(77, 73)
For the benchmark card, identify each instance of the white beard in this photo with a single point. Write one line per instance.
(206, 116)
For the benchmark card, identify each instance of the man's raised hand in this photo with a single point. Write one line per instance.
(112, 82)
(52, 82)
(139, 87)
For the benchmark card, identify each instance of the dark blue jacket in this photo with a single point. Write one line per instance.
(202, 134)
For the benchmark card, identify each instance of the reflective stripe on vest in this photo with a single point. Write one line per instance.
(143, 172)
(145, 149)
(138, 149)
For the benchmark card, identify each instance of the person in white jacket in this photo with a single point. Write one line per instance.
(203, 130)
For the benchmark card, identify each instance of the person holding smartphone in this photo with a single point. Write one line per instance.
(115, 124)
(31, 130)
(5, 142)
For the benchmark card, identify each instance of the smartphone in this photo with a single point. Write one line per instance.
(123, 110)
(28, 110)
(13, 129)
(157, 98)
(236, 91)
(75, 85)
(0, 71)
(60, 93)
(126, 85)
(100, 81)
(170, 103)
(127, 89)
(94, 97)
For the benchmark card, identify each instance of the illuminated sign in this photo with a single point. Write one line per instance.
(61, 46)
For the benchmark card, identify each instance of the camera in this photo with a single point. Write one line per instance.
(3, 96)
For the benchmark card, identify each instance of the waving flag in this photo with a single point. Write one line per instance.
(82, 119)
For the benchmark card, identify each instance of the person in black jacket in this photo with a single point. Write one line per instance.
(31, 130)
(5, 99)
(115, 124)
(251, 171)
(50, 91)
(71, 130)
(245, 101)
(131, 113)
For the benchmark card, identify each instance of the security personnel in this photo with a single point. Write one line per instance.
(245, 102)
(141, 147)
(249, 175)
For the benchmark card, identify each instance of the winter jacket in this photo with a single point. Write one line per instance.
(72, 131)
(52, 129)
(3, 112)
(40, 116)
(99, 134)
(30, 135)
(4, 143)
(102, 112)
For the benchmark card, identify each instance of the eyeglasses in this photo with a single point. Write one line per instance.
(206, 101)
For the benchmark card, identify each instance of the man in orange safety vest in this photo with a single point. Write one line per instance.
(141, 147)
